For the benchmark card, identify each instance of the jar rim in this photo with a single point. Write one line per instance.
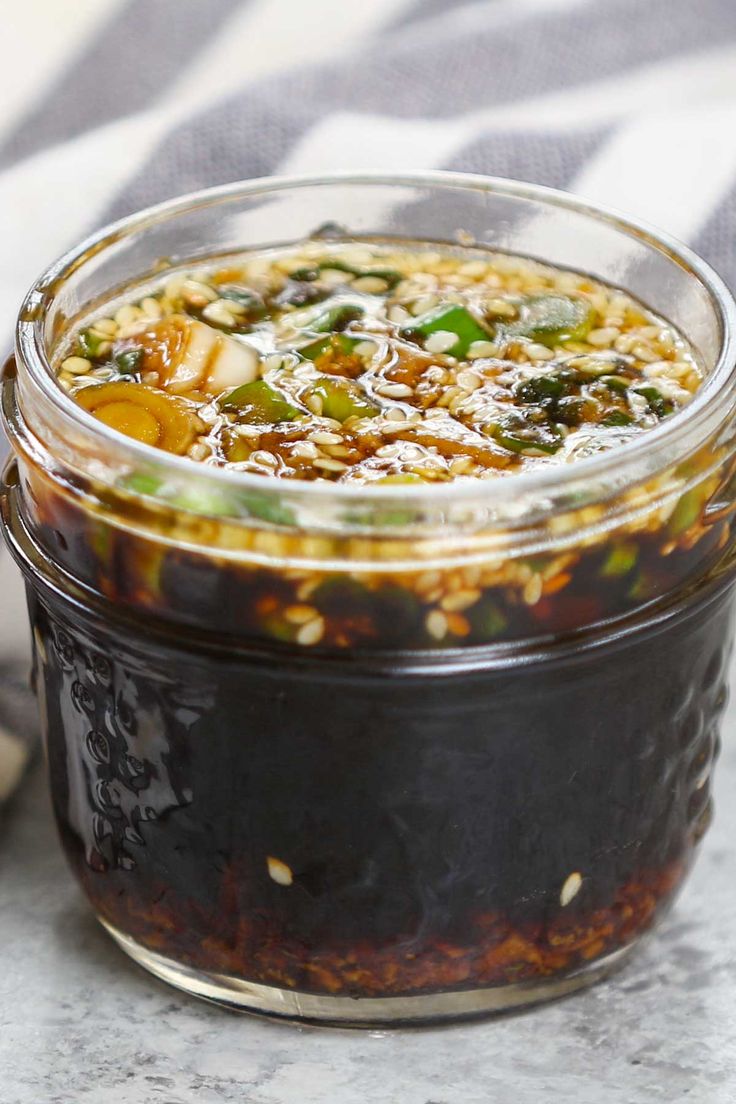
(686, 429)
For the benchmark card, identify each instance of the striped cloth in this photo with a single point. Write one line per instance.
(109, 105)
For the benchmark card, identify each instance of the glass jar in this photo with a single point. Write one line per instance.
(374, 755)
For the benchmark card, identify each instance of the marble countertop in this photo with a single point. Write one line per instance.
(80, 1024)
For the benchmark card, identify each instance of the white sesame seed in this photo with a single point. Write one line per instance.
(108, 327)
(371, 285)
(262, 456)
(436, 624)
(76, 365)
(219, 312)
(127, 314)
(365, 349)
(473, 268)
(394, 390)
(322, 437)
(199, 451)
(334, 277)
(311, 632)
(398, 314)
(500, 308)
(480, 349)
(643, 352)
(441, 341)
(460, 599)
(469, 381)
(533, 590)
(279, 871)
(305, 449)
(151, 307)
(197, 293)
(535, 351)
(330, 465)
(605, 336)
(426, 303)
(396, 414)
(571, 888)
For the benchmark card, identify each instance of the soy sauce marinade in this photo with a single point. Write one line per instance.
(508, 822)
(359, 364)
(375, 366)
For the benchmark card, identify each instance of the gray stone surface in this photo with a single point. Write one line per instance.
(79, 1024)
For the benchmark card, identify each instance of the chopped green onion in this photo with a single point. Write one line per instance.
(540, 389)
(339, 342)
(620, 560)
(657, 403)
(687, 511)
(551, 320)
(342, 399)
(259, 403)
(90, 343)
(141, 483)
(309, 273)
(617, 418)
(129, 361)
(449, 318)
(336, 319)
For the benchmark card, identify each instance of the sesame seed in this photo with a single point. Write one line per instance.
(426, 303)
(398, 314)
(436, 624)
(394, 390)
(602, 337)
(571, 888)
(441, 341)
(220, 313)
(321, 437)
(469, 381)
(334, 277)
(262, 456)
(151, 307)
(199, 451)
(536, 351)
(305, 449)
(108, 327)
(533, 590)
(330, 465)
(371, 285)
(460, 600)
(127, 314)
(643, 352)
(473, 268)
(311, 632)
(480, 349)
(76, 365)
(197, 293)
(500, 308)
(279, 871)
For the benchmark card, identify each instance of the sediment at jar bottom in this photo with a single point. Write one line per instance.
(339, 825)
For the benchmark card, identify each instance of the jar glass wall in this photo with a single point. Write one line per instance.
(475, 775)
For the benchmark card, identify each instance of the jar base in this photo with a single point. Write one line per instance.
(269, 1001)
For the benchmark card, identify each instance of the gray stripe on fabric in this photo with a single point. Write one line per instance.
(715, 242)
(462, 69)
(541, 158)
(551, 158)
(241, 141)
(133, 58)
(428, 9)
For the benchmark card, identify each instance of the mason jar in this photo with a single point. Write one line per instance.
(376, 754)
